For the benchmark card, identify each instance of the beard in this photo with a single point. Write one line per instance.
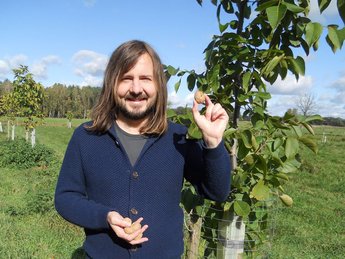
(135, 114)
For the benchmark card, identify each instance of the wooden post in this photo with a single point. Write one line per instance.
(231, 234)
(13, 130)
(8, 130)
(33, 137)
(194, 237)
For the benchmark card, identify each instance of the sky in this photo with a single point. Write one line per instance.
(70, 41)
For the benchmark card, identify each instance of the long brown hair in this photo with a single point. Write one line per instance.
(121, 61)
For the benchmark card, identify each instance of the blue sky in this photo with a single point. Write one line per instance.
(69, 42)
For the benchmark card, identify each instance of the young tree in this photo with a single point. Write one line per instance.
(256, 44)
(10, 107)
(306, 104)
(69, 116)
(29, 96)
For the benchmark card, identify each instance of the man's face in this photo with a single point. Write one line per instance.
(136, 91)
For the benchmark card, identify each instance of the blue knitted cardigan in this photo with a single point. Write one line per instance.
(96, 177)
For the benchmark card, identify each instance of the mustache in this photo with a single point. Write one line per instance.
(134, 96)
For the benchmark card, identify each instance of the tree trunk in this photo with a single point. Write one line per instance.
(69, 124)
(194, 237)
(1, 129)
(27, 135)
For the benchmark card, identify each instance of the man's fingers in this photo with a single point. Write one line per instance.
(217, 111)
(137, 237)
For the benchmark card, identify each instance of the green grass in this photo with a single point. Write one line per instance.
(312, 228)
(25, 232)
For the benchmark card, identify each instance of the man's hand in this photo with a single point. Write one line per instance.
(212, 124)
(118, 224)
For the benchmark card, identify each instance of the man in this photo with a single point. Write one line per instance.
(130, 162)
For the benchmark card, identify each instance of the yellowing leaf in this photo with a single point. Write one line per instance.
(241, 208)
(260, 191)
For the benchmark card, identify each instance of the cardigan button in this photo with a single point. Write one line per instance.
(135, 174)
(134, 211)
(134, 248)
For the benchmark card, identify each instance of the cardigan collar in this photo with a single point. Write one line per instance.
(149, 142)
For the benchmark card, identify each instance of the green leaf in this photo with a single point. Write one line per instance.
(264, 5)
(194, 132)
(241, 208)
(177, 85)
(310, 143)
(297, 66)
(246, 80)
(341, 9)
(171, 70)
(308, 127)
(275, 14)
(229, 132)
(291, 147)
(293, 8)
(313, 118)
(260, 191)
(246, 137)
(297, 130)
(170, 113)
(313, 33)
(190, 199)
(191, 81)
(323, 4)
(271, 65)
(263, 95)
(282, 176)
(334, 37)
(223, 27)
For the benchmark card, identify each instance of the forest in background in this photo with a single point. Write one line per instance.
(59, 99)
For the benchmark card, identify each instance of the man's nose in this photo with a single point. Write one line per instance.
(136, 86)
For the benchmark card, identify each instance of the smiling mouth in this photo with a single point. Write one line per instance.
(135, 99)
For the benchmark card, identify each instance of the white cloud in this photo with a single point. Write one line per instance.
(178, 100)
(339, 86)
(4, 69)
(290, 86)
(90, 66)
(279, 104)
(9, 63)
(17, 60)
(39, 69)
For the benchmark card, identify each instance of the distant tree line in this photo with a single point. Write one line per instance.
(331, 121)
(61, 100)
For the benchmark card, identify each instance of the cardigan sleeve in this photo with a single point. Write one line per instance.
(209, 170)
(71, 200)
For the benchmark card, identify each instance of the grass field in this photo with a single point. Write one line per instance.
(314, 227)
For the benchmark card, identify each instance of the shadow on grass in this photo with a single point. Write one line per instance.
(79, 253)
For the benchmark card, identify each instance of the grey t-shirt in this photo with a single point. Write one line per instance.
(133, 144)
